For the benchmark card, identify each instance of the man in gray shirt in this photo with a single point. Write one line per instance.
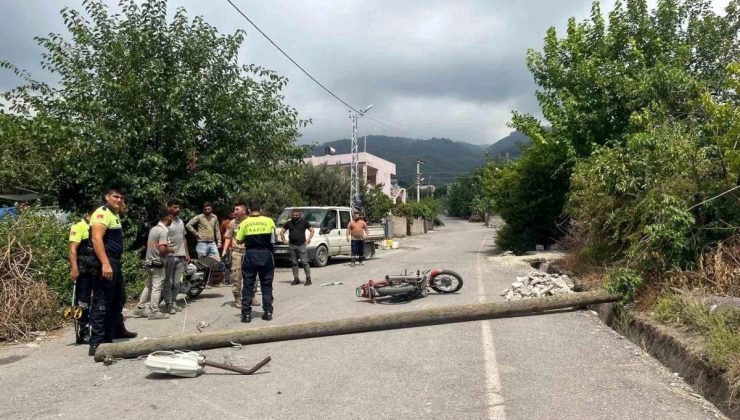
(156, 251)
(205, 227)
(175, 262)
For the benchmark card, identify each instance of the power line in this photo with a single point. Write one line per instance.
(420, 130)
(291, 59)
(398, 126)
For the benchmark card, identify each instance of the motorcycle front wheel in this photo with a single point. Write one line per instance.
(446, 281)
(193, 292)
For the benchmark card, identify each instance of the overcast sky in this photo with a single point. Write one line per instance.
(448, 68)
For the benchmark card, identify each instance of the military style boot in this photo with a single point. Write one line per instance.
(124, 333)
(246, 316)
(267, 315)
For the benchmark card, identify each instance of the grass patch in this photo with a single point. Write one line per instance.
(719, 331)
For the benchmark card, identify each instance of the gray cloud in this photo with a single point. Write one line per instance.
(432, 67)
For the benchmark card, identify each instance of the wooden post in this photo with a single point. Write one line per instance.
(390, 321)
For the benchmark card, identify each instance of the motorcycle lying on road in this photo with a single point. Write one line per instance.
(197, 275)
(411, 286)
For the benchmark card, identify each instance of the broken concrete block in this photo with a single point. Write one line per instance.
(560, 283)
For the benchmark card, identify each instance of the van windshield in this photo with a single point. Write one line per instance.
(312, 216)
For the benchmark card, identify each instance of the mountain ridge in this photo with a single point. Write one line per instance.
(445, 159)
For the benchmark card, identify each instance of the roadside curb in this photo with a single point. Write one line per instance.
(664, 343)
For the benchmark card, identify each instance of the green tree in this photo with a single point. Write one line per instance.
(160, 106)
(323, 185)
(529, 194)
(460, 196)
(23, 163)
(376, 205)
(598, 82)
(601, 85)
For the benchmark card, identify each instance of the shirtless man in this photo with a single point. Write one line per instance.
(357, 228)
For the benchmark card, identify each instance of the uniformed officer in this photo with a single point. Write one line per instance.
(256, 232)
(109, 295)
(81, 271)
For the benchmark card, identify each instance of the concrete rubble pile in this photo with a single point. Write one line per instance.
(538, 284)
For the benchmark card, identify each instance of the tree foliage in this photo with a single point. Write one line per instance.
(599, 82)
(160, 106)
(460, 196)
(643, 106)
(529, 195)
(323, 185)
(375, 204)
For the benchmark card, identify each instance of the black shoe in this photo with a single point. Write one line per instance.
(246, 317)
(93, 349)
(124, 333)
(296, 282)
(308, 282)
(267, 316)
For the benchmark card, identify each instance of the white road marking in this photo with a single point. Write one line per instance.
(496, 409)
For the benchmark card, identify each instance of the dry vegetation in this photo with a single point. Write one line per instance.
(27, 303)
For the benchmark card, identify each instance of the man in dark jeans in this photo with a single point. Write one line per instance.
(357, 229)
(297, 228)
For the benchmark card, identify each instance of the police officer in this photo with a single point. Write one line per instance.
(109, 295)
(256, 233)
(81, 271)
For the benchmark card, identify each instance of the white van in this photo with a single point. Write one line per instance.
(330, 233)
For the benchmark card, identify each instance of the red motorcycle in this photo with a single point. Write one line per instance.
(411, 286)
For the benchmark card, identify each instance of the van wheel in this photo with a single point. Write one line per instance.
(321, 257)
(369, 250)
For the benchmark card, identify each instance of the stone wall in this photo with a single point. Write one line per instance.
(429, 224)
(416, 227)
(399, 226)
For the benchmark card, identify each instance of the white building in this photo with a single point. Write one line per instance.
(372, 171)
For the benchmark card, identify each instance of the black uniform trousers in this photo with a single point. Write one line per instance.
(257, 262)
(109, 296)
(83, 287)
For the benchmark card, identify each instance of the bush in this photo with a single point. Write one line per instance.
(529, 195)
(624, 282)
(428, 208)
(632, 202)
(32, 273)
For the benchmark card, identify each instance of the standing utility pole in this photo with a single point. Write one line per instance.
(354, 185)
(418, 179)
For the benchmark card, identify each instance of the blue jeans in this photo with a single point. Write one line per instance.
(206, 249)
(358, 249)
(174, 269)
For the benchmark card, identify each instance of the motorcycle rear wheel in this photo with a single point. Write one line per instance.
(446, 281)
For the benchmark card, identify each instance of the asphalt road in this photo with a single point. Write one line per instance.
(563, 365)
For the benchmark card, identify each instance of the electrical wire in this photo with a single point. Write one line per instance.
(715, 197)
(394, 126)
(291, 59)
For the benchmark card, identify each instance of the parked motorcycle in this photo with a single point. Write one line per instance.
(197, 275)
(411, 286)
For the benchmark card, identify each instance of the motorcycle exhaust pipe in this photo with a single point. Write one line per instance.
(395, 291)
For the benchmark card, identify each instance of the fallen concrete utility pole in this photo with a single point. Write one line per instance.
(390, 321)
